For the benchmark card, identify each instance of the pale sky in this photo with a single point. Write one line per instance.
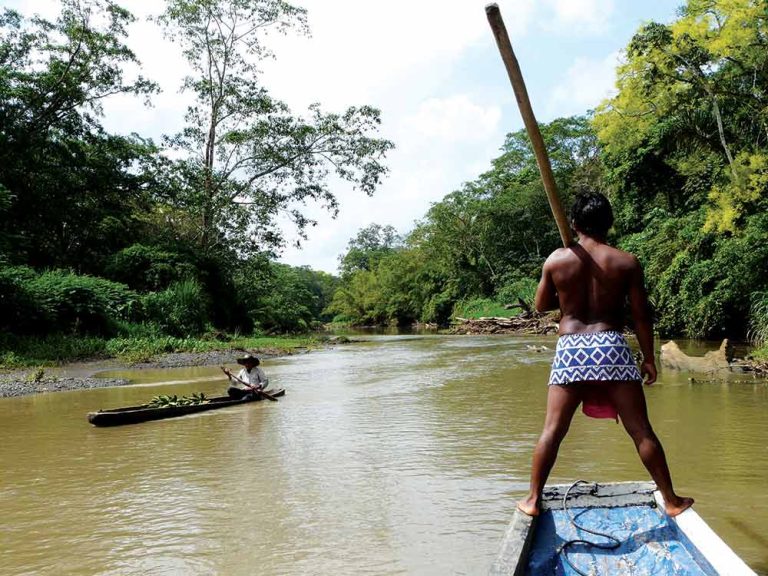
(433, 69)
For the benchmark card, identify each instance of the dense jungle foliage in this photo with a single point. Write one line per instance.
(104, 235)
(682, 152)
(120, 236)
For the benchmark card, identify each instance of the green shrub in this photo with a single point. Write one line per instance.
(19, 312)
(60, 301)
(523, 290)
(16, 351)
(181, 310)
(146, 268)
(277, 297)
(439, 307)
(282, 312)
(138, 329)
(82, 304)
(758, 319)
(11, 359)
(699, 282)
(144, 349)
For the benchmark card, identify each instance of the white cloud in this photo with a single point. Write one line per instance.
(580, 16)
(395, 55)
(380, 52)
(453, 119)
(159, 62)
(45, 8)
(586, 84)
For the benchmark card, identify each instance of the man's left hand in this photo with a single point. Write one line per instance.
(648, 371)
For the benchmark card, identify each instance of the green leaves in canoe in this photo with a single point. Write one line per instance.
(167, 401)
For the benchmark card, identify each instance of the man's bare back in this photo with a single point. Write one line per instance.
(590, 283)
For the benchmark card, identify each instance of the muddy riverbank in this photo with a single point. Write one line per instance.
(84, 375)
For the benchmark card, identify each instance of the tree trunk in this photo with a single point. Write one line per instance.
(720, 129)
(718, 119)
(208, 185)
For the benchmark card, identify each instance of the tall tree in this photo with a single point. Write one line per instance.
(691, 109)
(684, 141)
(249, 158)
(367, 248)
(68, 183)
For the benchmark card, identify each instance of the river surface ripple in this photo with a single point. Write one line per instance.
(400, 455)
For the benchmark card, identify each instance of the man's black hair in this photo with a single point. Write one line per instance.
(591, 214)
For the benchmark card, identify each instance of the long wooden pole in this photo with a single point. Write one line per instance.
(521, 94)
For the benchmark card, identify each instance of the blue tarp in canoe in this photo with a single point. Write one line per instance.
(645, 540)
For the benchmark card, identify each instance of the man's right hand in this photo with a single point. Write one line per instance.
(648, 371)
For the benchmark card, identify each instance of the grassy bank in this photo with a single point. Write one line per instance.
(760, 354)
(482, 308)
(20, 352)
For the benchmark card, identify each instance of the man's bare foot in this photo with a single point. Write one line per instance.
(677, 505)
(529, 506)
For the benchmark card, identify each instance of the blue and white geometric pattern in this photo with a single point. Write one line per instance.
(591, 357)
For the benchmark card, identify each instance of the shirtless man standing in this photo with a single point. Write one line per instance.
(590, 283)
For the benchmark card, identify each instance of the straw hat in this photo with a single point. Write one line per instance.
(248, 358)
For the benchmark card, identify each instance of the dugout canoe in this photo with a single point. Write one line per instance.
(645, 540)
(144, 413)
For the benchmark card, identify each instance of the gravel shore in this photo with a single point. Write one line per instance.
(80, 376)
(22, 383)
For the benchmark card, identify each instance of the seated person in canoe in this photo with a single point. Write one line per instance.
(249, 380)
(590, 282)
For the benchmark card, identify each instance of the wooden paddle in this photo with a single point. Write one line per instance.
(531, 126)
(256, 390)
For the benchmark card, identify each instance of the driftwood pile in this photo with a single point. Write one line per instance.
(523, 324)
(756, 367)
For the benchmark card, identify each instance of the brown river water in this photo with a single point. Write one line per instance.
(400, 455)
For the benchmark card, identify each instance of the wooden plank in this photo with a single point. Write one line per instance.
(596, 495)
(513, 556)
(708, 543)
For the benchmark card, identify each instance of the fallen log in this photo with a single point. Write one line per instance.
(715, 361)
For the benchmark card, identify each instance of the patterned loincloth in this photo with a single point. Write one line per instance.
(594, 357)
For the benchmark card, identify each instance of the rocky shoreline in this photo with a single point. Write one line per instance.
(23, 383)
(80, 376)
